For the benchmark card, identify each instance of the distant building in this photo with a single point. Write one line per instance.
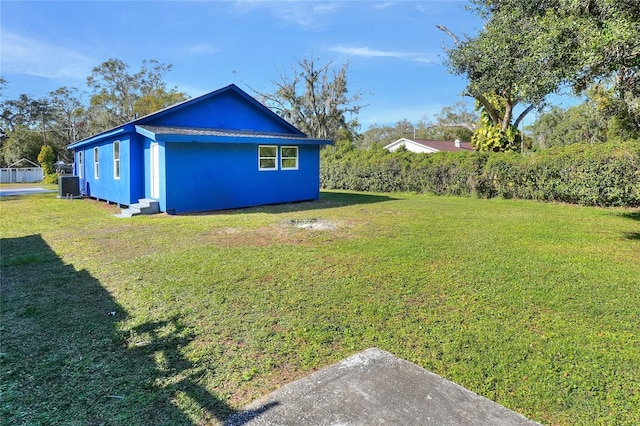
(428, 147)
(16, 174)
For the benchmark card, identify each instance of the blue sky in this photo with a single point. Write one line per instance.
(394, 49)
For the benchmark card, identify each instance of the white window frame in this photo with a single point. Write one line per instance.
(261, 157)
(282, 157)
(116, 160)
(96, 163)
(80, 160)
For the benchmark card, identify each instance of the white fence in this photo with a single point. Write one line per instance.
(21, 175)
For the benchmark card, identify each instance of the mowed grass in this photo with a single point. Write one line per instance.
(535, 306)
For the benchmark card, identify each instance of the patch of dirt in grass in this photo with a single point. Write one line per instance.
(313, 224)
(298, 231)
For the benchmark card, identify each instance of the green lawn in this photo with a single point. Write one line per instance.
(535, 306)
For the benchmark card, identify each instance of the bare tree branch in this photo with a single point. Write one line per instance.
(313, 98)
(446, 30)
(523, 114)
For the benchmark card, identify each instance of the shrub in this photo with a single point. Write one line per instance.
(51, 179)
(46, 158)
(599, 175)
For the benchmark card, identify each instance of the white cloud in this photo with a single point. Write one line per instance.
(201, 49)
(305, 14)
(324, 7)
(23, 55)
(368, 52)
(384, 5)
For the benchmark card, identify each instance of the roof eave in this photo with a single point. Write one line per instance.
(237, 139)
(92, 139)
(243, 139)
(396, 143)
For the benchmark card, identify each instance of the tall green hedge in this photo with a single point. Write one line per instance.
(595, 175)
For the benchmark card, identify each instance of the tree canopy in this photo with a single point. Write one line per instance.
(529, 49)
(62, 116)
(315, 98)
(577, 124)
(119, 96)
(450, 123)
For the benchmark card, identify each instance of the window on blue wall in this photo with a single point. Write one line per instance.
(116, 160)
(96, 163)
(289, 157)
(80, 163)
(267, 157)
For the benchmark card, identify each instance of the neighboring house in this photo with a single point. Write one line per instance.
(218, 151)
(421, 145)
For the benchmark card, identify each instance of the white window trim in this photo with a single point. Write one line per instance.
(282, 157)
(268, 169)
(96, 163)
(80, 161)
(116, 162)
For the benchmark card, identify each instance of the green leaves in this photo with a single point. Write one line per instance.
(46, 159)
(119, 96)
(491, 137)
(602, 174)
(529, 49)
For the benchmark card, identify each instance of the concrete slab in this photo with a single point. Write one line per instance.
(374, 387)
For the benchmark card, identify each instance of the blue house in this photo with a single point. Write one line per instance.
(218, 151)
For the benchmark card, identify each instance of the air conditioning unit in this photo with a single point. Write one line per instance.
(69, 187)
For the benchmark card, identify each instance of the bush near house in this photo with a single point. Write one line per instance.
(46, 157)
(594, 175)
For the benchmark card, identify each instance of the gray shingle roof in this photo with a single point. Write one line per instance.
(193, 131)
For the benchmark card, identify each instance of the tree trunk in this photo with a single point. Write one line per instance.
(508, 112)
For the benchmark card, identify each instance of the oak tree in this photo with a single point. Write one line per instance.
(119, 96)
(528, 49)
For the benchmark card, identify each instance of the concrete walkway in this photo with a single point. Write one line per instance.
(5, 192)
(374, 387)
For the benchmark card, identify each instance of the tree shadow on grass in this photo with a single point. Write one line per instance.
(633, 215)
(64, 359)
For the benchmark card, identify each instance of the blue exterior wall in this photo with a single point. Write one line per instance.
(106, 186)
(203, 177)
(227, 110)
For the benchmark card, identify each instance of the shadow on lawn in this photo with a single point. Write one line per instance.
(632, 235)
(63, 357)
(634, 215)
(328, 200)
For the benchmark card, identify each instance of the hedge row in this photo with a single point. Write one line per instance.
(595, 175)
